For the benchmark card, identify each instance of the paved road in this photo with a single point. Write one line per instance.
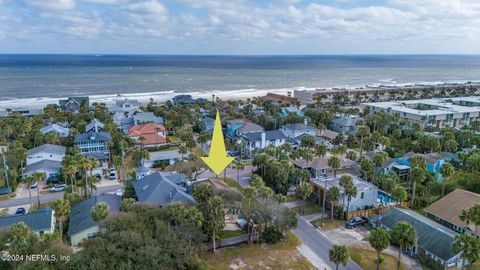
(51, 197)
(318, 243)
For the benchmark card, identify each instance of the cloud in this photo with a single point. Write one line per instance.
(52, 4)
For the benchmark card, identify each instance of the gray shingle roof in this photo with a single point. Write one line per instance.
(299, 126)
(49, 165)
(345, 121)
(250, 127)
(157, 189)
(145, 117)
(431, 236)
(269, 135)
(95, 124)
(49, 148)
(40, 220)
(100, 136)
(81, 217)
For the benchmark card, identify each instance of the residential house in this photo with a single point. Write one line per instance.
(46, 159)
(26, 112)
(280, 100)
(142, 171)
(162, 189)
(183, 100)
(148, 135)
(345, 124)
(127, 106)
(434, 162)
(94, 126)
(81, 224)
(327, 135)
(239, 127)
(260, 140)
(448, 209)
(285, 111)
(401, 170)
(366, 192)
(41, 221)
(207, 124)
(147, 117)
(434, 241)
(319, 167)
(95, 144)
(61, 131)
(74, 104)
(292, 131)
(168, 157)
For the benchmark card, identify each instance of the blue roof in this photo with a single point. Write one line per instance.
(41, 220)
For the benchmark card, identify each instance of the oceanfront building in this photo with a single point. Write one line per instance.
(440, 112)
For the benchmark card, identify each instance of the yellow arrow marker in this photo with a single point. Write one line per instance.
(217, 159)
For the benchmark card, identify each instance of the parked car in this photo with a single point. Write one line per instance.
(356, 221)
(20, 211)
(99, 177)
(58, 188)
(112, 174)
(119, 192)
(34, 185)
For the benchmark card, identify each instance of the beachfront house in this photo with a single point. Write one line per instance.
(434, 241)
(45, 159)
(280, 100)
(81, 224)
(162, 189)
(260, 140)
(183, 100)
(41, 221)
(126, 106)
(447, 210)
(366, 198)
(74, 104)
(148, 135)
(61, 131)
(292, 131)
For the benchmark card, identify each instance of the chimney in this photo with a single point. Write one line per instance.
(263, 143)
(289, 94)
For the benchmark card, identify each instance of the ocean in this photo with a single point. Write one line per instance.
(35, 80)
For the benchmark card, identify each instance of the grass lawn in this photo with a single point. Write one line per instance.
(228, 234)
(310, 208)
(281, 256)
(173, 138)
(232, 183)
(365, 258)
(328, 224)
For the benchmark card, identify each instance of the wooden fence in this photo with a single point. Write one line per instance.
(236, 240)
(375, 211)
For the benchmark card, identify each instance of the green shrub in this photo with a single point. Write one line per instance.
(272, 236)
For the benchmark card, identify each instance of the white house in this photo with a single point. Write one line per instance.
(45, 159)
(292, 131)
(57, 129)
(366, 192)
(260, 140)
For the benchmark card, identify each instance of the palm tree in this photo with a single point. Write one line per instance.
(333, 196)
(417, 176)
(399, 194)
(405, 236)
(334, 163)
(19, 232)
(280, 198)
(320, 150)
(127, 204)
(62, 209)
(379, 161)
(466, 216)
(87, 164)
(100, 211)
(71, 171)
(339, 255)
(215, 217)
(345, 180)
(146, 156)
(202, 192)
(475, 216)
(350, 192)
(238, 165)
(363, 131)
(468, 246)
(266, 193)
(447, 171)
(379, 240)
(305, 190)
(37, 177)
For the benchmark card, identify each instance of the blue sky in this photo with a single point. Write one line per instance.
(240, 26)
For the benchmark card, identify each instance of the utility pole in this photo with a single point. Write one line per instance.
(5, 168)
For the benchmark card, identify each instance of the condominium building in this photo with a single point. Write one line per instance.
(439, 112)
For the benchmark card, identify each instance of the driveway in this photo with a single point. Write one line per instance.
(244, 175)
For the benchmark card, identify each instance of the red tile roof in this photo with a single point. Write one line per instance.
(149, 133)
